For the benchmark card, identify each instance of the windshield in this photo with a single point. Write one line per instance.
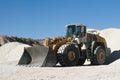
(75, 31)
(70, 31)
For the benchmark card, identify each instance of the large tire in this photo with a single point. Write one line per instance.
(99, 56)
(68, 55)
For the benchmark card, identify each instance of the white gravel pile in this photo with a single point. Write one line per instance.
(11, 52)
(112, 37)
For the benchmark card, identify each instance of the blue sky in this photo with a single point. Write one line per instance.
(47, 18)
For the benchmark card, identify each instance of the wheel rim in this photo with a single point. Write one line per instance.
(71, 55)
(101, 58)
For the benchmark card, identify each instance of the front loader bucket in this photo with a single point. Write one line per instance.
(38, 56)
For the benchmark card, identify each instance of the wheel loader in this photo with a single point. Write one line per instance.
(72, 50)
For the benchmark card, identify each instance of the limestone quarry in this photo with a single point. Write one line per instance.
(12, 48)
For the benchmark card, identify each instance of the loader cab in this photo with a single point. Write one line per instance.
(78, 31)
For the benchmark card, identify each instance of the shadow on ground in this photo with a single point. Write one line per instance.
(115, 55)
